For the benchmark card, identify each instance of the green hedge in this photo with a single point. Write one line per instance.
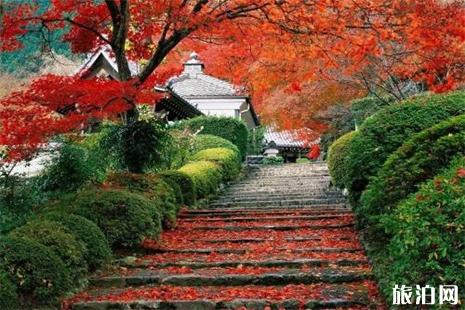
(98, 252)
(185, 183)
(125, 218)
(229, 128)
(338, 156)
(38, 273)
(428, 234)
(228, 160)
(8, 296)
(206, 176)
(151, 186)
(54, 236)
(273, 160)
(382, 133)
(417, 160)
(202, 142)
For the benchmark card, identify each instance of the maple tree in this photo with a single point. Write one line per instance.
(280, 47)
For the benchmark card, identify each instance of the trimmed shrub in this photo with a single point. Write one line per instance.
(38, 273)
(68, 171)
(98, 252)
(54, 236)
(228, 160)
(417, 160)
(346, 118)
(125, 218)
(175, 187)
(151, 186)
(273, 160)
(338, 157)
(428, 234)
(206, 176)
(8, 296)
(384, 132)
(229, 128)
(185, 182)
(202, 142)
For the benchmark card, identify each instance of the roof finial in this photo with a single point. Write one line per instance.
(194, 65)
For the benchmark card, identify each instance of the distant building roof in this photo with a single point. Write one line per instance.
(286, 138)
(104, 57)
(194, 83)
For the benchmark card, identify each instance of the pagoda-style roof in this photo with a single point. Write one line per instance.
(103, 63)
(288, 139)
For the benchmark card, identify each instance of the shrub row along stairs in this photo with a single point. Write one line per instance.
(280, 239)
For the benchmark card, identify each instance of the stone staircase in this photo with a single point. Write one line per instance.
(280, 239)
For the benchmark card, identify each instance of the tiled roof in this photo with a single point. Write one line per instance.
(285, 138)
(193, 82)
(110, 59)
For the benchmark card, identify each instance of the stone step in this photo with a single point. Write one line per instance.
(149, 277)
(295, 263)
(262, 213)
(230, 199)
(244, 251)
(256, 240)
(265, 217)
(316, 207)
(277, 189)
(290, 297)
(280, 182)
(273, 227)
(283, 202)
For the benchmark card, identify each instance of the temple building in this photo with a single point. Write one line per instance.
(211, 95)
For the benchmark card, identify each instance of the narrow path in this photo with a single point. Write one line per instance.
(281, 239)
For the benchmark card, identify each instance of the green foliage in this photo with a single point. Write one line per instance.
(18, 197)
(137, 146)
(229, 128)
(382, 133)
(228, 160)
(8, 296)
(255, 144)
(273, 160)
(185, 183)
(151, 186)
(338, 156)
(179, 199)
(98, 252)
(71, 169)
(420, 158)
(206, 176)
(427, 230)
(303, 160)
(38, 273)
(125, 218)
(54, 236)
(347, 119)
(203, 142)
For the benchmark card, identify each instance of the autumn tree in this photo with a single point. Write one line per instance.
(272, 45)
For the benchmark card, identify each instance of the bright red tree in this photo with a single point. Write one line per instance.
(277, 47)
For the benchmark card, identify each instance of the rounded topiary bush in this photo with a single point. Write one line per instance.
(427, 230)
(202, 142)
(125, 218)
(206, 176)
(37, 272)
(382, 133)
(338, 157)
(54, 236)
(420, 158)
(185, 183)
(229, 128)
(98, 252)
(228, 160)
(151, 186)
(8, 296)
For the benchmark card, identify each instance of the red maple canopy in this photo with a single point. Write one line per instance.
(296, 56)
